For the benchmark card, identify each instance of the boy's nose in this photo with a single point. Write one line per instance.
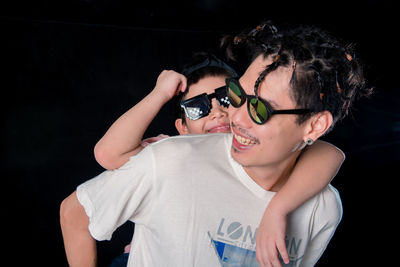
(217, 110)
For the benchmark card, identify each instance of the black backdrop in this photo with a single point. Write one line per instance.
(70, 68)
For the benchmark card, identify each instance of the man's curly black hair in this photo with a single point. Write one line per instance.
(327, 74)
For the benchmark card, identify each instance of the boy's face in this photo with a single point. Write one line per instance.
(217, 120)
(272, 143)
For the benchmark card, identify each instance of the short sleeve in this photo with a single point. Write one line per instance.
(327, 216)
(116, 196)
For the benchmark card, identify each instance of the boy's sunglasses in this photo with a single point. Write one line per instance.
(200, 106)
(259, 109)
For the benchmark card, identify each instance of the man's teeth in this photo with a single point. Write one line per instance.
(243, 140)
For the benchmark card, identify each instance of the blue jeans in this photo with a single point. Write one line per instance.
(120, 261)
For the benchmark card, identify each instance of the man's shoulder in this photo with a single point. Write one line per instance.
(328, 204)
(325, 207)
(331, 196)
(189, 147)
(197, 137)
(200, 141)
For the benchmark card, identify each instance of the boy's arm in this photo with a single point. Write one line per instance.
(123, 138)
(80, 247)
(313, 172)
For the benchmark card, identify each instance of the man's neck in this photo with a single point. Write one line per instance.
(272, 177)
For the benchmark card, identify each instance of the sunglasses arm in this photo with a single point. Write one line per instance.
(290, 111)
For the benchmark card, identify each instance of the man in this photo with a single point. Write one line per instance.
(197, 200)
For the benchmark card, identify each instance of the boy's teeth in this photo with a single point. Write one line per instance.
(243, 140)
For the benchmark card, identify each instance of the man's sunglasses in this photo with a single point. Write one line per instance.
(200, 106)
(259, 110)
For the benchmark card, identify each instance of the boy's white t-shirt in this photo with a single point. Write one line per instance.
(193, 205)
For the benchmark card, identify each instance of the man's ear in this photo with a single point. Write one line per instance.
(318, 125)
(181, 127)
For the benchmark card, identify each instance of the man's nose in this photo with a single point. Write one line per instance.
(240, 116)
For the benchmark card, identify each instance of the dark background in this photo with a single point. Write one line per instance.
(70, 68)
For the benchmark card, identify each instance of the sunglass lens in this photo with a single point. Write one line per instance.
(196, 107)
(222, 97)
(258, 111)
(235, 94)
(194, 113)
(224, 101)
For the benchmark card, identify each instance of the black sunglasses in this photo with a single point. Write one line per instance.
(200, 106)
(259, 109)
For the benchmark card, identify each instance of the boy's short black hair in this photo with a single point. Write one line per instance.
(203, 65)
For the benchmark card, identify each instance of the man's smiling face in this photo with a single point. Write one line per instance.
(275, 141)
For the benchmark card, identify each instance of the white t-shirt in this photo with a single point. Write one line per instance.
(193, 205)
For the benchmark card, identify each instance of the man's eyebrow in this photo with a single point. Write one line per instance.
(272, 103)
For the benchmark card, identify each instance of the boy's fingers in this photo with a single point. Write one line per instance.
(281, 246)
(267, 256)
(273, 256)
(183, 85)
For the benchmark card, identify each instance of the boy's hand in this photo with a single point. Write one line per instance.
(170, 83)
(270, 240)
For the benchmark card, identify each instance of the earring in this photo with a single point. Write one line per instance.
(309, 141)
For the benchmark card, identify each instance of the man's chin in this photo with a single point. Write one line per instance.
(237, 155)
